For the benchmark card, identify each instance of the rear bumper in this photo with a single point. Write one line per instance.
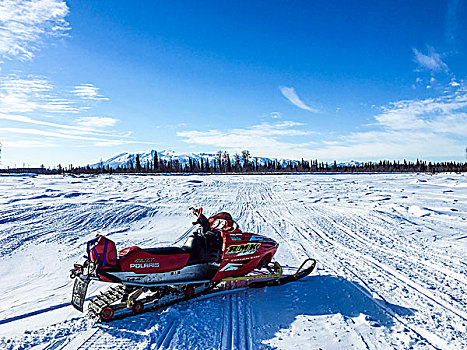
(86, 271)
(89, 271)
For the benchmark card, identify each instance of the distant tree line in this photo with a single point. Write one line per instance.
(246, 164)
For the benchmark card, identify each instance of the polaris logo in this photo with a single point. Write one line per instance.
(143, 266)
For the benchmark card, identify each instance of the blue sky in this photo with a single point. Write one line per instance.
(84, 80)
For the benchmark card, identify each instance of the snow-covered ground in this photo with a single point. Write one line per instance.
(391, 253)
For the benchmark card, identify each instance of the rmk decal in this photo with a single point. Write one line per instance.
(243, 248)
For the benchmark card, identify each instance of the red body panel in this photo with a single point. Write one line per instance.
(243, 252)
(140, 261)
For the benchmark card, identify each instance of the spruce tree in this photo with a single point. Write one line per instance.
(155, 161)
(138, 163)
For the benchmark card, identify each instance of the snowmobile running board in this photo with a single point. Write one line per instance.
(160, 284)
(276, 274)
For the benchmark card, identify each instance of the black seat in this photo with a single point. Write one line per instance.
(196, 246)
(203, 248)
(166, 251)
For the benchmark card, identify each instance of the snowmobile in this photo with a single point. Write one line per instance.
(216, 257)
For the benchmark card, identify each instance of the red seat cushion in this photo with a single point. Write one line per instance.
(127, 251)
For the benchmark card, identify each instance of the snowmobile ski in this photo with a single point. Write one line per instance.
(287, 278)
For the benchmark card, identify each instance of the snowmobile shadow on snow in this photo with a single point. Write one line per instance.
(263, 311)
(320, 295)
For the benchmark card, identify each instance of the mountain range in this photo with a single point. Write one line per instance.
(124, 159)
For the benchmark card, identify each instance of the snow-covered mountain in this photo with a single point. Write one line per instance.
(124, 159)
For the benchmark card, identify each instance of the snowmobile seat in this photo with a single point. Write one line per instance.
(153, 251)
(165, 251)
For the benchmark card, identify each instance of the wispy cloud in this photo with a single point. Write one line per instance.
(431, 61)
(92, 128)
(442, 114)
(32, 93)
(24, 25)
(88, 92)
(259, 139)
(428, 128)
(29, 144)
(97, 122)
(435, 127)
(290, 94)
(36, 111)
(59, 131)
(57, 135)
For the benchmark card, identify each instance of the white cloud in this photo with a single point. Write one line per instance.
(432, 61)
(90, 128)
(28, 144)
(97, 122)
(430, 114)
(390, 145)
(24, 24)
(33, 94)
(67, 135)
(56, 134)
(88, 92)
(31, 99)
(259, 139)
(290, 94)
(110, 143)
(429, 128)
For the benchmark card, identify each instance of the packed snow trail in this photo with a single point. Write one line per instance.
(390, 248)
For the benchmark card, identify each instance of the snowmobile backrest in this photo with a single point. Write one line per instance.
(196, 245)
(102, 251)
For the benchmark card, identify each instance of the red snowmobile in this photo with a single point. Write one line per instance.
(217, 254)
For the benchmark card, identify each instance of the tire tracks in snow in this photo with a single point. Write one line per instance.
(236, 331)
(414, 252)
(421, 333)
(394, 274)
(369, 292)
(165, 338)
